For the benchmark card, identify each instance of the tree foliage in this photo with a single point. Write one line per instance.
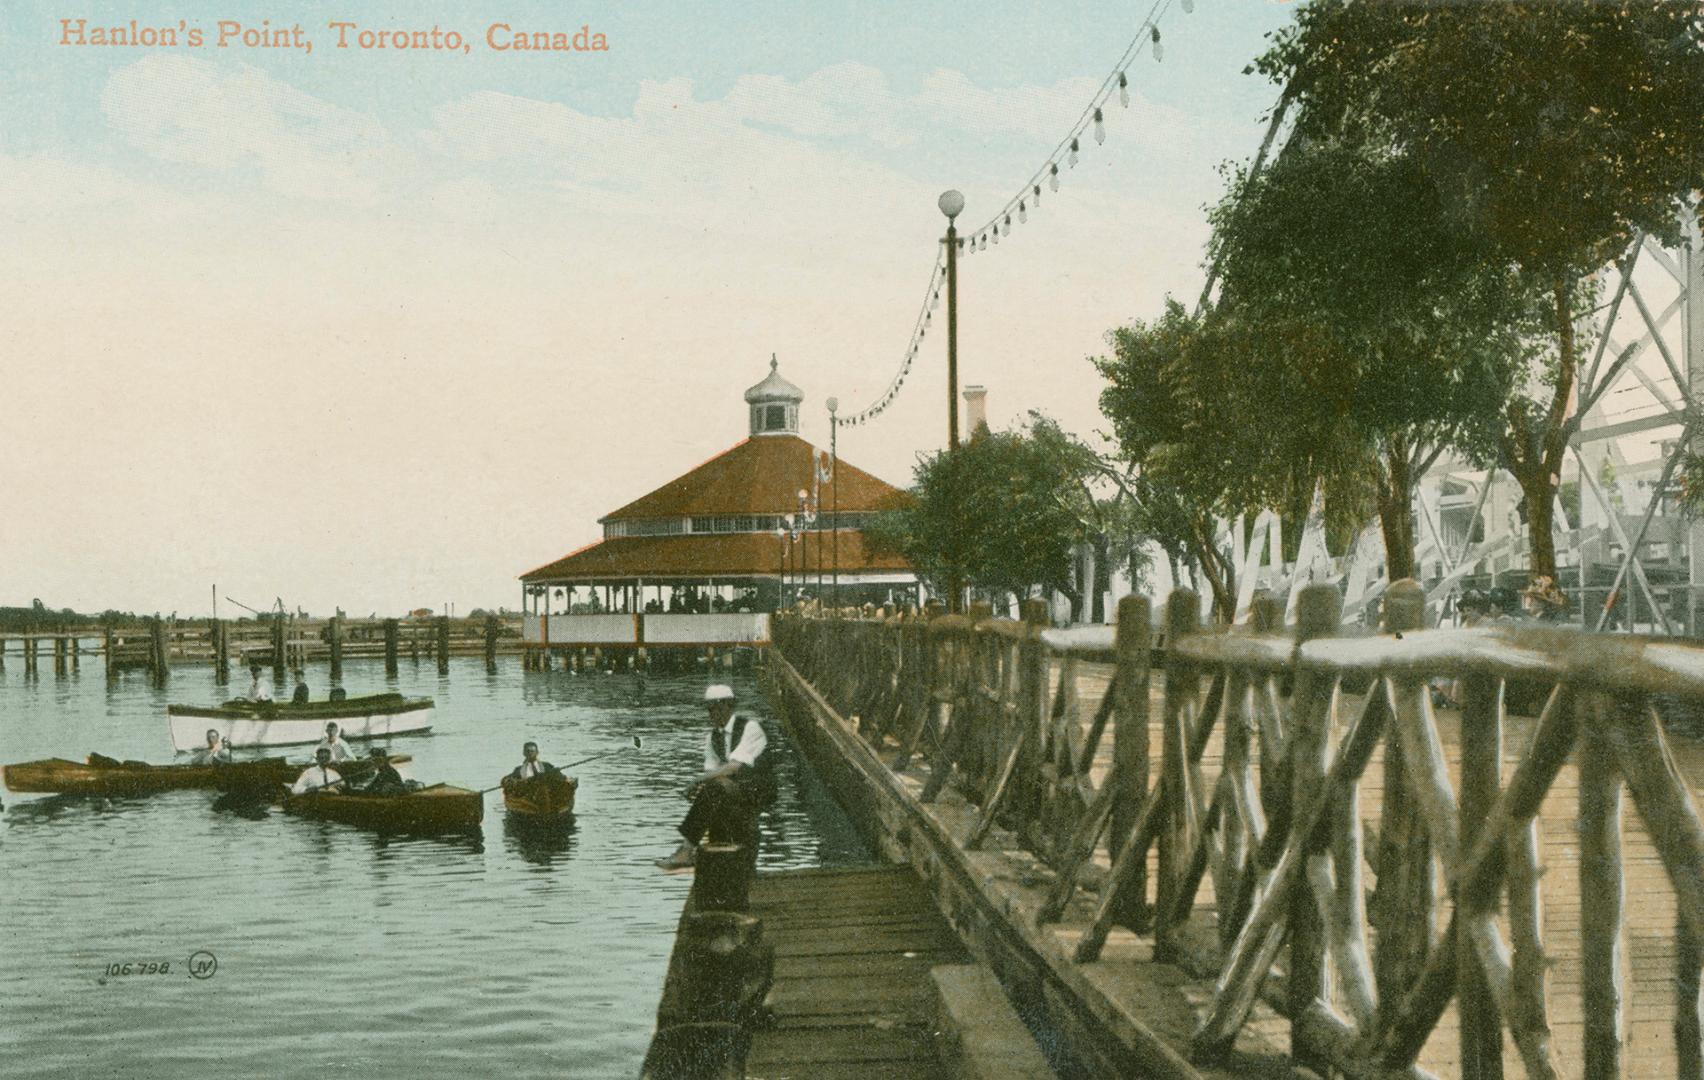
(1551, 133)
(1003, 513)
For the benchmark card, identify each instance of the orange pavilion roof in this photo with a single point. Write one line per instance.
(761, 475)
(712, 555)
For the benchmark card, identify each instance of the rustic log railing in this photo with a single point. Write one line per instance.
(1300, 714)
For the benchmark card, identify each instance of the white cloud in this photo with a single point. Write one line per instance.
(227, 116)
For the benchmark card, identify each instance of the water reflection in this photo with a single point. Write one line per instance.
(540, 843)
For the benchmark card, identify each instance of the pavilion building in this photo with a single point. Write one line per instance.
(704, 559)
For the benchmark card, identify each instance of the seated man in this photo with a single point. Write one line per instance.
(318, 776)
(214, 753)
(725, 800)
(530, 765)
(334, 742)
(300, 696)
(386, 780)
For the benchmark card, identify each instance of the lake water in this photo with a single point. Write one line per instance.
(341, 952)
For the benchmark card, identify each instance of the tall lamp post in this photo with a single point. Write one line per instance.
(781, 575)
(804, 539)
(834, 479)
(951, 203)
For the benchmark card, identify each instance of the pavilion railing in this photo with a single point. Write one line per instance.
(1300, 714)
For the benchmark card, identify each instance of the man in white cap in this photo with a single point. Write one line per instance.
(723, 800)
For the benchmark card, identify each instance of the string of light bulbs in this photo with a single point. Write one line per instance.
(1028, 196)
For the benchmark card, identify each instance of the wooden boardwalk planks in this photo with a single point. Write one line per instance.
(852, 997)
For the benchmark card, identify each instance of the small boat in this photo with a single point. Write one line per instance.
(267, 723)
(102, 775)
(547, 797)
(107, 776)
(439, 808)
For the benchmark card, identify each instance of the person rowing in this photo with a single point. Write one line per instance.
(386, 780)
(333, 742)
(318, 776)
(214, 753)
(530, 765)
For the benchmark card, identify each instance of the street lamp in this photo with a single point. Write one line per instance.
(781, 575)
(952, 204)
(834, 478)
(805, 515)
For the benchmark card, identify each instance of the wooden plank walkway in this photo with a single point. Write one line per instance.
(1650, 902)
(852, 996)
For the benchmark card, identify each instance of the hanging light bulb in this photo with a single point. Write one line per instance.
(936, 302)
(1100, 129)
(1023, 212)
(1053, 176)
(1123, 90)
(1037, 192)
(1154, 36)
(1008, 224)
(1072, 160)
(996, 232)
(982, 242)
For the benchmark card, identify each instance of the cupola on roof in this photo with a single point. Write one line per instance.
(774, 404)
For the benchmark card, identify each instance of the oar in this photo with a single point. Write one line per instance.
(637, 744)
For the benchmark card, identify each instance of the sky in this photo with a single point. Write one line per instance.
(379, 330)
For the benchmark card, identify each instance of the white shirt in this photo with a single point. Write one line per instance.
(530, 769)
(752, 742)
(339, 749)
(208, 755)
(314, 776)
(259, 691)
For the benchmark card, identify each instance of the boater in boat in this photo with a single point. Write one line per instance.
(530, 765)
(333, 741)
(258, 690)
(317, 776)
(300, 696)
(386, 780)
(214, 753)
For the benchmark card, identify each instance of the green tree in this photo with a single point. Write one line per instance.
(1379, 326)
(1555, 132)
(1001, 514)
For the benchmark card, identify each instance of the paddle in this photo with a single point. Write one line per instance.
(636, 745)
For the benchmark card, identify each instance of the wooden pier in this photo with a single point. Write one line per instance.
(1270, 852)
(280, 644)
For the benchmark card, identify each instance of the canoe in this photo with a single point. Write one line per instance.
(102, 775)
(548, 796)
(266, 723)
(439, 808)
(105, 776)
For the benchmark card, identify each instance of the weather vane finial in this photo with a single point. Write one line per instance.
(773, 363)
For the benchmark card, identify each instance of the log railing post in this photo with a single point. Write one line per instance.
(1404, 907)
(1177, 812)
(1133, 645)
(1602, 893)
(1481, 776)
(1318, 612)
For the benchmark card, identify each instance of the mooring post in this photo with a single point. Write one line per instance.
(390, 646)
(58, 655)
(161, 664)
(443, 644)
(334, 634)
(30, 655)
(278, 644)
(492, 628)
(221, 651)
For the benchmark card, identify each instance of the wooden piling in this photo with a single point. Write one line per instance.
(334, 638)
(2, 654)
(30, 656)
(391, 630)
(107, 644)
(492, 628)
(442, 645)
(59, 658)
(221, 633)
(278, 645)
(159, 657)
